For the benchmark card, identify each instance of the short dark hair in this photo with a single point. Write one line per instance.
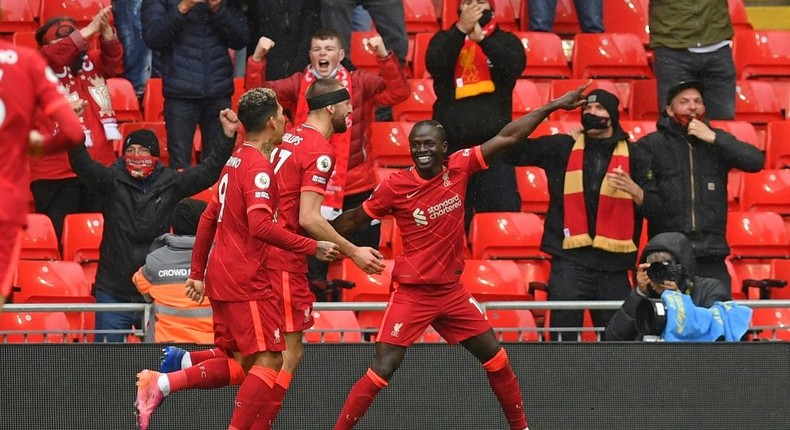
(256, 106)
(430, 123)
(186, 216)
(327, 33)
(322, 86)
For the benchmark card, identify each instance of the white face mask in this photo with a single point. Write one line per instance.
(332, 74)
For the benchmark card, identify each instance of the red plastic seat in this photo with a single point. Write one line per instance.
(637, 129)
(506, 235)
(644, 100)
(494, 280)
(738, 16)
(334, 327)
(610, 55)
(772, 318)
(768, 190)
(368, 288)
(742, 130)
(420, 16)
(82, 235)
(207, 194)
(504, 14)
(391, 242)
(82, 11)
(34, 327)
(545, 56)
(780, 269)
(526, 98)
(757, 235)
(418, 68)
(756, 102)
(51, 282)
(124, 100)
(18, 15)
(761, 54)
(513, 325)
(627, 16)
(25, 38)
(362, 56)
(390, 144)
(40, 242)
(533, 187)
(153, 101)
(777, 146)
(561, 86)
(419, 105)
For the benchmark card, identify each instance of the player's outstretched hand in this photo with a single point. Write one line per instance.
(230, 122)
(573, 99)
(195, 290)
(327, 251)
(369, 259)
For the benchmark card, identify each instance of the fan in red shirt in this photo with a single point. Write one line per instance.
(241, 222)
(427, 201)
(27, 88)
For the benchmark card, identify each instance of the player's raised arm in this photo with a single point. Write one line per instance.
(521, 128)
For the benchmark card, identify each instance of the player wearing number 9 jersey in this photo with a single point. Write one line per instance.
(427, 202)
(27, 87)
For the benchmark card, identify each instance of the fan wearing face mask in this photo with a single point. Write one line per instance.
(600, 188)
(691, 160)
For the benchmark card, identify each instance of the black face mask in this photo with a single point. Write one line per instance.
(488, 15)
(76, 65)
(593, 122)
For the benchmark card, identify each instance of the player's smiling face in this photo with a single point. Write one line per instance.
(427, 150)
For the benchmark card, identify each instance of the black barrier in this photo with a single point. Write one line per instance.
(633, 386)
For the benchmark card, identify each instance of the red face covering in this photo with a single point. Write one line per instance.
(684, 119)
(140, 166)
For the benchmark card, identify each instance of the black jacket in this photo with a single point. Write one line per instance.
(551, 153)
(137, 211)
(473, 120)
(691, 178)
(704, 292)
(194, 47)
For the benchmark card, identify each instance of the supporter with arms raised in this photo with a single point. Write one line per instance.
(427, 203)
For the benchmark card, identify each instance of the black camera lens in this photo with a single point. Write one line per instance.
(651, 317)
(661, 271)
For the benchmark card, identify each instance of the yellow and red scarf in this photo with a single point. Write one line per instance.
(614, 223)
(472, 74)
(341, 142)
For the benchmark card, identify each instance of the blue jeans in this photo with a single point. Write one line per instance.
(181, 118)
(387, 15)
(136, 56)
(589, 13)
(115, 320)
(715, 69)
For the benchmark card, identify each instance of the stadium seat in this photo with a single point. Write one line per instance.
(565, 20)
(780, 270)
(82, 235)
(513, 325)
(756, 102)
(18, 15)
(762, 54)
(418, 67)
(494, 280)
(644, 100)
(757, 235)
(545, 56)
(153, 101)
(742, 130)
(419, 105)
(34, 327)
(504, 14)
(771, 318)
(390, 144)
(526, 98)
(420, 16)
(51, 281)
(124, 100)
(561, 86)
(777, 145)
(506, 235)
(25, 38)
(367, 288)
(733, 190)
(637, 129)
(207, 194)
(627, 16)
(609, 55)
(533, 187)
(738, 16)
(391, 242)
(766, 191)
(40, 241)
(157, 127)
(82, 11)
(362, 55)
(334, 327)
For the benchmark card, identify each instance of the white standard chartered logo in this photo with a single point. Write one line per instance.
(437, 210)
(419, 217)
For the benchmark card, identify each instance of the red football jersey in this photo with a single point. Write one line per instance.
(235, 269)
(430, 215)
(27, 85)
(302, 162)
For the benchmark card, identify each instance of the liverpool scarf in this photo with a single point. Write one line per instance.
(614, 223)
(341, 142)
(472, 74)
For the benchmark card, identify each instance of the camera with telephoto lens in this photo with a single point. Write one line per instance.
(651, 317)
(661, 271)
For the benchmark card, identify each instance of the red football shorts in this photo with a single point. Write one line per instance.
(296, 299)
(450, 309)
(247, 326)
(10, 245)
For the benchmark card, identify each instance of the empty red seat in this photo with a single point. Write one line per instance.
(34, 327)
(40, 242)
(51, 281)
(768, 190)
(506, 235)
(391, 242)
(207, 194)
(390, 144)
(513, 325)
(533, 187)
(25, 38)
(771, 323)
(420, 16)
(334, 327)
(418, 68)
(742, 130)
(756, 102)
(18, 15)
(82, 235)
(153, 101)
(561, 86)
(637, 129)
(419, 105)
(526, 98)
(777, 145)
(738, 16)
(545, 56)
(362, 55)
(627, 16)
(757, 235)
(82, 11)
(367, 288)
(610, 55)
(124, 100)
(494, 280)
(761, 54)
(644, 100)
(780, 270)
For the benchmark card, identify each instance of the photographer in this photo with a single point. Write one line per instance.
(667, 263)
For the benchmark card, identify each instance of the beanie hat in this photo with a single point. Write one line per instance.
(609, 101)
(145, 138)
(186, 216)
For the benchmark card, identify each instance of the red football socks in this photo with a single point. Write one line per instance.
(201, 356)
(267, 417)
(505, 385)
(253, 397)
(209, 374)
(359, 400)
